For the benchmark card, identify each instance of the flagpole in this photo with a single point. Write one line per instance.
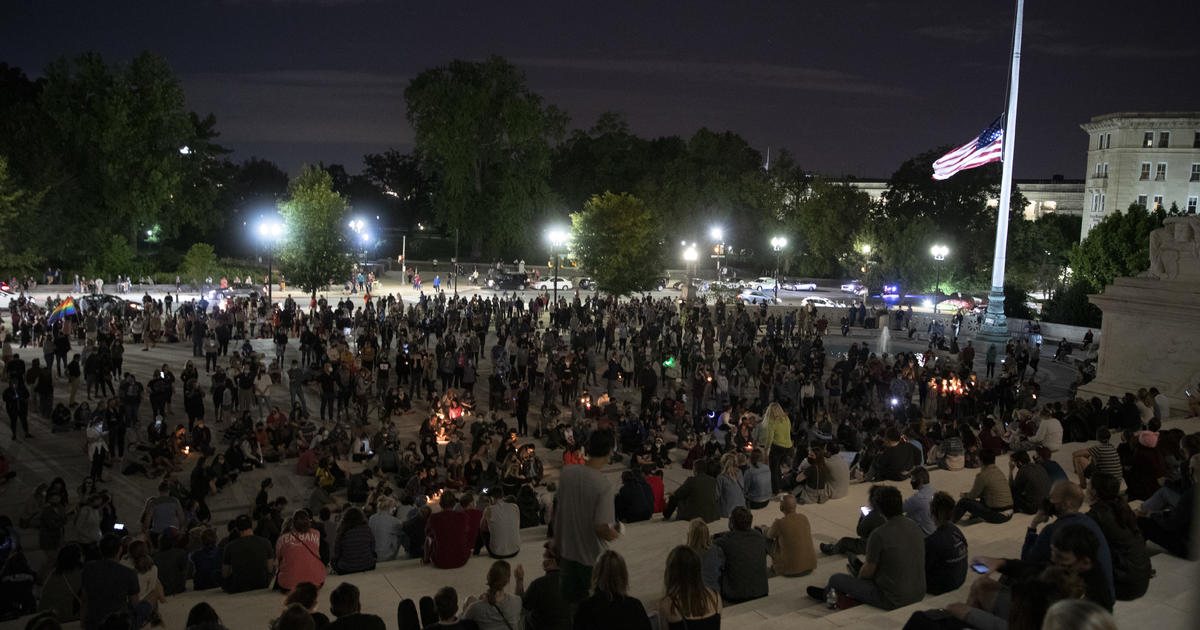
(995, 325)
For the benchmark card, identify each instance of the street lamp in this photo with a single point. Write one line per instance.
(557, 237)
(777, 244)
(270, 230)
(718, 236)
(939, 253)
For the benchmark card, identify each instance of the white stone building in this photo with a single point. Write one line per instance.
(1044, 196)
(1148, 158)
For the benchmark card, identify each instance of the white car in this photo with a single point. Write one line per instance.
(760, 284)
(821, 302)
(799, 286)
(548, 284)
(750, 296)
(853, 287)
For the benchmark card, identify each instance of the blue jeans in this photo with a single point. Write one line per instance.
(860, 590)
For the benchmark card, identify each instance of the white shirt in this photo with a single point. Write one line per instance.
(1162, 406)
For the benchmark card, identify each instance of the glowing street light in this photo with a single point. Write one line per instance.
(777, 244)
(939, 253)
(270, 231)
(718, 235)
(866, 248)
(558, 238)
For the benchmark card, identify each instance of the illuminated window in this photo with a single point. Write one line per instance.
(1148, 139)
(1158, 202)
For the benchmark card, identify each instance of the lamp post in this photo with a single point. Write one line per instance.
(718, 236)
(690, 256)
(270, 230)
(939, 253)
(777, 244)
(557, 237)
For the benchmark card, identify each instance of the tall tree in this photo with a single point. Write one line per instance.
(485, 140)
(959, 213)
(1118, 246)
(615, 238)
(315, 250)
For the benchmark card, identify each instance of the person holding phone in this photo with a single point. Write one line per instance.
(893, 574)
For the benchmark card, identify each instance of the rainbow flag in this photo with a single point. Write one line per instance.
(66, 307)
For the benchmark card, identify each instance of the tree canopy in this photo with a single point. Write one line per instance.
(1118, 246)
(484, 139)
(103, 146)
(315, 248)
(616, 240)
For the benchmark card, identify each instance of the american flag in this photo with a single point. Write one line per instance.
(987, 147)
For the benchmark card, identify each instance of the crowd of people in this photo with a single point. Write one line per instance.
(747, 398)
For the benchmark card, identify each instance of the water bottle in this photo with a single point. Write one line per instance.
(831, 598)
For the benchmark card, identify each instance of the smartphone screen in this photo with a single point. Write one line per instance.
(980, 567)
(865, 510)
(119, 527)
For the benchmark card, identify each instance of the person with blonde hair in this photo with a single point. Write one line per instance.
(495, 609)
(687, 604)
(731, 491)
(778, 442)
(712, 557)
(1077, 614)
(610, 605)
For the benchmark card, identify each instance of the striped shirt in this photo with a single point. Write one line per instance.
(1106, 460)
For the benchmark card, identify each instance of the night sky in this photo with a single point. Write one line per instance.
(849, 87)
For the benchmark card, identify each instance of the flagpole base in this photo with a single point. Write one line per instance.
(995, 324)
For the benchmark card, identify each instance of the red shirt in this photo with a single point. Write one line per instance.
(446, 543)
(299, 557)
(656, 486)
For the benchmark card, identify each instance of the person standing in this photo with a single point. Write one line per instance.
(16, 405)
(583, 521)
(778, 443)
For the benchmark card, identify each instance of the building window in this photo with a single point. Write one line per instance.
(1097, 170)
(1164, 139)
(1160, 173)
(1105, 172)
(1095, 202)
(1102, 200)
(1100, 141)
(1192, 202)
(1145, 174)
(1108, 140)
(1148, 139)
(1142, 200)
(1158, 202)
(1195, 173)
(1196, 140)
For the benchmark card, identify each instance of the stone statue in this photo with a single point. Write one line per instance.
(1175, 249)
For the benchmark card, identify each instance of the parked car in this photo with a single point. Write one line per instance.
(586, 283)
(5, 289)
(822, 302)
(548, 283)
(105, 304)
(751, 296)
(798, 285)
(508, 281)
(854, 286)
(759, 284)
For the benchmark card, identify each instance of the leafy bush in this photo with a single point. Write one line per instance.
(1069, 305)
